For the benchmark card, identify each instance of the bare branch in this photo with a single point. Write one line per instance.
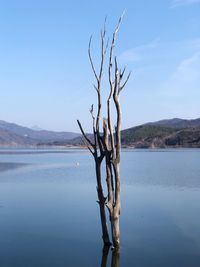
(116, 83)
(83, 133)
(111, 52)
(91, 60)
(104, 28)
(119, 22)
(121, 73)
(106, 48)
(113, 85)
(88, 147)
(94, 130)
(92, 114)
(95, 87)
(103, 50)
(123, 85)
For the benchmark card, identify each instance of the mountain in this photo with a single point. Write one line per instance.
(77, 141)
(145, 136)
(189, 137)
(24, 135)
(36, 128)
(8, 138)
(164, 133)
(177, 123)
(156, 136)
(161, 134)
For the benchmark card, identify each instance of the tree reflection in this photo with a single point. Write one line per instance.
(114, 260)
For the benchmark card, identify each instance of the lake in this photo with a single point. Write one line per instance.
(49, 215)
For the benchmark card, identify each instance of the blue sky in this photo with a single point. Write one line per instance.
(45, 76)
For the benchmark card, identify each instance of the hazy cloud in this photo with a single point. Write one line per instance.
(138, 53)
(166, 79)
(186, 78)
(179, 93)
(188, 69)
(177, 3)
(157, 50)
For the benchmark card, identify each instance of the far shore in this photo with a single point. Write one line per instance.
(63, 147)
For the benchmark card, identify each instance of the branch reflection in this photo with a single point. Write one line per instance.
(115, 257)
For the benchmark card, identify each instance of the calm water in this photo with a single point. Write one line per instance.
(49, 217)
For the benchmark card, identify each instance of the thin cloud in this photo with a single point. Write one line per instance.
(178, 3)
(185, 79)
(137, 53)
(179, 94)
(156, 51)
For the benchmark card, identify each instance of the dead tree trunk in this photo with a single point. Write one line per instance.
(108, 146)
(113, 153)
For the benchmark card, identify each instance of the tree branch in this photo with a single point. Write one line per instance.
(85, 136)
(88, 147)
(91, 60)
(123, 85)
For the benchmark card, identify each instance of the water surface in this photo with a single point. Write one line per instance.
(49, 217)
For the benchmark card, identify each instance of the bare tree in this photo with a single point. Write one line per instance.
(108, 145)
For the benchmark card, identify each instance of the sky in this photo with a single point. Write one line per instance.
(45, 75)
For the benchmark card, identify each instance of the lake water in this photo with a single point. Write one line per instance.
(49, 217)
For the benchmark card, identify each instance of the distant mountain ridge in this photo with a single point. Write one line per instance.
(160, 134)
(36, 128)
(8, 138)
(177, 123)
(164, 133)
(30, 136)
